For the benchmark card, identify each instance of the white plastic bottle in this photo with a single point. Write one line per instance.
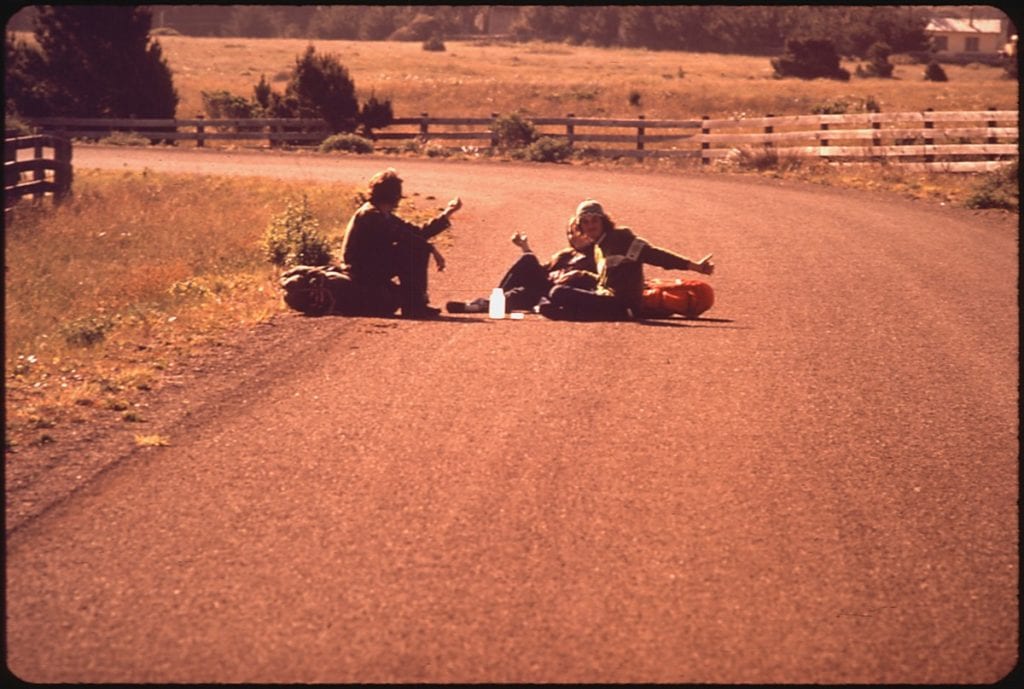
(497, 305)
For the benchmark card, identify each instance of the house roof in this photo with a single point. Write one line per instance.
(953, 25)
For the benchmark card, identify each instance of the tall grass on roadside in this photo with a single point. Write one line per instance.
(133, 263)
(131, 247)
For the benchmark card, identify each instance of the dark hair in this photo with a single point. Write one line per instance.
(385, 187)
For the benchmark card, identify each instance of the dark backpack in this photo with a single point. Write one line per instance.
(317, 290)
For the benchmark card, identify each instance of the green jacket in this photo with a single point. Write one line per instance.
(620, 256)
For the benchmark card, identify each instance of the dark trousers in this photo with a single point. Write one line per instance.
(525, 283)
(382, 297)
(411, 260)
(574, 304)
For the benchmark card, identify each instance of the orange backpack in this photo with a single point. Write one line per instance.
(689, 298)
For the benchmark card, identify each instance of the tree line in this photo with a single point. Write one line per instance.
(753, 29)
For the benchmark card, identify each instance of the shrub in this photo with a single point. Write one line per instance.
(217, 104)
(293, 238)
(346, 142)
(375, 114)
(878, 62)
(934, 72)
(809, 59)
(434, 44)
(86, 331)
(549, 149)
(514, 131)
(323, 88)
(434, 150)
(999, 189)
(634, 97)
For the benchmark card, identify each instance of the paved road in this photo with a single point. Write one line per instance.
(816, 485)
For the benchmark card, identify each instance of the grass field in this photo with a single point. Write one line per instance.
(110, 290)
(545, 79)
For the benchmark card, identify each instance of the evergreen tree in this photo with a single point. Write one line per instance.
(97, 61)
(323, 88)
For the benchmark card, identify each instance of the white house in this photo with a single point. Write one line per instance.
(954, 36)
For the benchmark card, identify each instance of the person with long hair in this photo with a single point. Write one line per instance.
(379, 247)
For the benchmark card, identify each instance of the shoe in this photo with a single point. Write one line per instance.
(422, 312)
(476, 306)
(549, 310)
(480, 305)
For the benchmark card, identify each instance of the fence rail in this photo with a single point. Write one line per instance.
(943, 140)
(39, 174)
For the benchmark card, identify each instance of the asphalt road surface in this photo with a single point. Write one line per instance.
(816, 483)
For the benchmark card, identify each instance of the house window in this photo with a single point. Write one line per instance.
(971, 45)
(941, 43)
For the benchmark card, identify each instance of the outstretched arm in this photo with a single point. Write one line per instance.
(672, 261)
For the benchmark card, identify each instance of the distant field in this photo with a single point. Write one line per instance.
(550, 79)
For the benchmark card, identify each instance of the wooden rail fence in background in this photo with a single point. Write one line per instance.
(947, 141)
(28, 170)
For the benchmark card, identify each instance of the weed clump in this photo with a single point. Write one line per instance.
(87, 331)
(293, 238)
(434, 44)
(353, 143)
(514, 131)
(999, 189)
(549, 149)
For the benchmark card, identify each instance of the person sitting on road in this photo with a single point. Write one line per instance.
(378, 247)
(528, 280)
(620, 256)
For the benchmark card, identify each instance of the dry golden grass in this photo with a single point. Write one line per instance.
(548, 79)
(132, 272)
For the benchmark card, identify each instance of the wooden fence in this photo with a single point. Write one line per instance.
(948, 141)
(29, 170)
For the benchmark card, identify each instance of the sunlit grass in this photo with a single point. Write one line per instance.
(549, 79)
(134, 271)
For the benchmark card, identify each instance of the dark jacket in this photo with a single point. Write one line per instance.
(371, 238)
(620, 256)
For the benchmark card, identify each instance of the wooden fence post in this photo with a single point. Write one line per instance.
(11, 176)
(876, 138)
(38, 174)
(199, 131)
(63, 171)
(769, 129)
(570, 129)
(494, 130)
(823, 142)
(640, 135)
(991, 124)
(928, 139)
(705, 145)
(424, 126)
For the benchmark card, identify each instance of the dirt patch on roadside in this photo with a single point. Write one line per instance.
(192, 393)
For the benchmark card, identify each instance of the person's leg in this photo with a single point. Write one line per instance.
(584, 305)
(411, 259)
